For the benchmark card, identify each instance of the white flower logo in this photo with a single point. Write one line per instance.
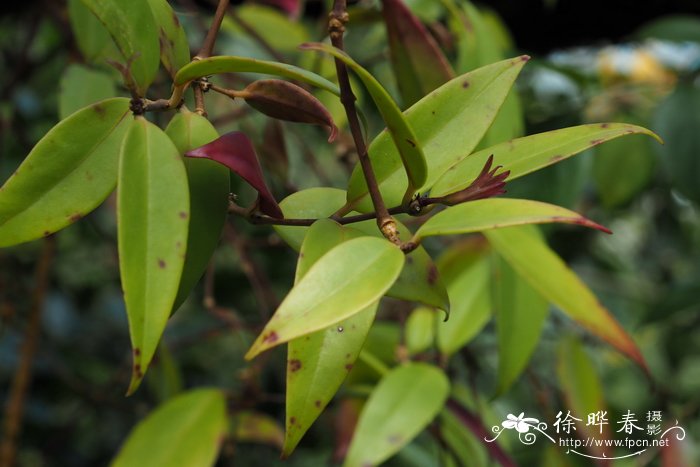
(520, 423)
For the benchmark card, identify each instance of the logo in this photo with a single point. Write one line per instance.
(595, 433)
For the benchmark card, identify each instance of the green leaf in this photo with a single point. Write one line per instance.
(449, 123)
(254, 427)
(470, 303)
(186, 430)
(419, 279)
(343, 282)
(494, 213)
(420, 330)
(531, 257)
(621, 168)
(209, 185)
(404, 402)
(229, 64)
(70, 171)
(174, 49)
(153, 216)
(419, 64)
(80, 87)
(131, 25)
(677, 119)
(318, 363)
(582, 388)
(281, 32)
(165, 380)
(525, 155)
(405, 141)
(312, 203)
(520, 312)
(92, 38)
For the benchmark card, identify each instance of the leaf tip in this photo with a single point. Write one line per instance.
(334, 132)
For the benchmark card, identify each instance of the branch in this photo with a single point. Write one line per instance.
(210, 40)
(336, 29)
(20, 384)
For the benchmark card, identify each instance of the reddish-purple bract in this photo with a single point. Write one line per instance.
(235, 151)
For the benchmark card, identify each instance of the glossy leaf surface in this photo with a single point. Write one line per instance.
(229, 64)
(153, 208)
(91, 37)
(419, 64)
(312, 203)
(209, 187)
(400, 407)
(187, 430)
(70, 171)
(419, 279)
(174, 49)
(531, 257)
(402, 134)
(235, 151)
(520, 312)
(470, 303)
(287, 101)
(448, 123)
(420, 330)
(133, 28)
(318, 363)
(494, 213)
(82, 86)
(524, 155)
(343, 282)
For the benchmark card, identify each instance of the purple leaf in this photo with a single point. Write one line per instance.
(419, 64)
(287, 101)
(235, 151)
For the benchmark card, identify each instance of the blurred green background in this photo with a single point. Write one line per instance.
(642, 68)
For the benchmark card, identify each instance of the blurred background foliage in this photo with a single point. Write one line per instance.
(592, 61)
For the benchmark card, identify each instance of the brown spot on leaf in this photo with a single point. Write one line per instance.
(432, 112)
(432, 274)
(413, 145)
(596, 142)
(604, 125)
(89, 176)
(556, 158)
(394, 439)
(271, 337)
(317, 404)
(161, 263)
(348, 366)
(46, 233)
(294, 365)
(292, 420)
(137, 351)
(409, 259)
(183, 215)
(465, 84)
(75, 217)
(99, 109)
(175, 19)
